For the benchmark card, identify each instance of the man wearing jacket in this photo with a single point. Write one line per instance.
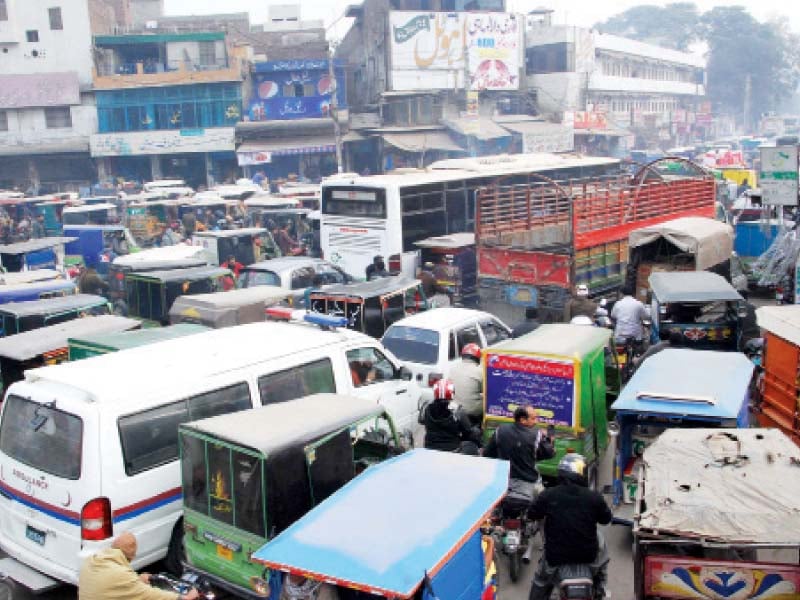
(108, 575)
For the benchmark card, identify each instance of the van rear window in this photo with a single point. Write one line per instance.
(42, 437)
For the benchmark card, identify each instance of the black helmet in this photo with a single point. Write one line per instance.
(572, 469)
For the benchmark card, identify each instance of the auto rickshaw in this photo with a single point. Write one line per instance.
(676, 388)
(249, 475)
(372, 306)
(91, 214)
(247, 245)
(48, 345)
(718, 516)
(88, 345)
(427, 528)
(98, 245)
(18, 317)
(36, 290)
(702, 307)
(165, 258)
(564, 372)
(37, 253)
(226, 309)
(150, 295)
(52, 210)
(455, 265)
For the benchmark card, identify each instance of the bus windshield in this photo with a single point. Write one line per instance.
(354, 202)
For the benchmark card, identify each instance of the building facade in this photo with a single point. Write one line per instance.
(609, 84)
(47, 112)
(167, 106)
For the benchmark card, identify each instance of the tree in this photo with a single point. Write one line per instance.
(671, 26)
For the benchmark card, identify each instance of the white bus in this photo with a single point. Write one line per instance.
(363, 217)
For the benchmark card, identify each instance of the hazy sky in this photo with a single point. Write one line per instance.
(574, 12)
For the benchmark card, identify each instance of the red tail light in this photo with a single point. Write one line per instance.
(512, 524)
(96, 520)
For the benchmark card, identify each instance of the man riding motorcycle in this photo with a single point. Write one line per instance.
(467, 377)
(571, 513)
(447, 426)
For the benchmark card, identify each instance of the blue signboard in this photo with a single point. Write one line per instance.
(547, 385)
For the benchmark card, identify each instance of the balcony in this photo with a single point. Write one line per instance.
(610, 83)
(145, 74)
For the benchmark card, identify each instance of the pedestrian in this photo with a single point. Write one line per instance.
(108, 575)
(428, 279)
(629, 315)
(378, 271)
(90, 282)
(372, 267)
(38, 229)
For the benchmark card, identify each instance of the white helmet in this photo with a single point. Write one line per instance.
(581, 320)
(582, 290)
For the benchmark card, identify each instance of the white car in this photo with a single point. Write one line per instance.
(428, 343)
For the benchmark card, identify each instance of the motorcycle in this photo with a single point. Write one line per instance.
(575, 582)
(513, 532)
(184, 585)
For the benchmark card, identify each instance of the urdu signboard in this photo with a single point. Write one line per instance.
(778, 176)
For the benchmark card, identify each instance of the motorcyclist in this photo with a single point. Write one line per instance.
(467, 377)
(579, 304)
(629, 315)
(571, 513)
(522, 444)
(447, 426)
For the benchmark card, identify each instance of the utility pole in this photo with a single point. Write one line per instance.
(337, 130)
(748, 99)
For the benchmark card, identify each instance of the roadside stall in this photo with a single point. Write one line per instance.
(372, 306)
(704, 309)
(718, 516)
(778, 402)
(226, 309)
(48, 345)
(686, 244)
(150, 295)
(422, 540)
(676, 388)
(18, 317)
(564, 372)
(455, 265)
(249, 475)
(85, 346)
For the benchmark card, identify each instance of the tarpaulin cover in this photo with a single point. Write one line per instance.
(727, 485)
(393, 524)
(709, 240)
(783, 321)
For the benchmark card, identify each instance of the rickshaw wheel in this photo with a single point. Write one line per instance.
(514, 567)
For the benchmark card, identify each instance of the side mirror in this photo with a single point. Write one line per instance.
(612, 428)
(405, 374)
(741, 311)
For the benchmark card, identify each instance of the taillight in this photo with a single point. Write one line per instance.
(120, 276)
(96, 520)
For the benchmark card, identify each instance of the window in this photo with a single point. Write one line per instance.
(3, 120)
(494, 332)
(467, 335)
(28, 427)
(253, 278)
(32, 35)
(56, 24)
(368, 366)
(296, 382)
(58, 117)
(208, 53)
(3, 11)
(150, 438)
(302, 278)
(413, 344)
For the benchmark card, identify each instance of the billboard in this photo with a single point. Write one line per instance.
(494, 50)
(169, 141)
(778, 176)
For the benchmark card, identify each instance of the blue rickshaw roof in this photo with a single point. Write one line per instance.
(392, 524)
(702, 383)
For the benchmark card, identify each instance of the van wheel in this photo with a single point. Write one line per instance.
(176, 552)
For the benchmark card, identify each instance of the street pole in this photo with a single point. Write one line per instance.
(337, 130)
(748, 91)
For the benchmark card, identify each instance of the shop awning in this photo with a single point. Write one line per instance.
(254, 152)
(421, 141)
(480, 128)
(531, 127)
(604, 132)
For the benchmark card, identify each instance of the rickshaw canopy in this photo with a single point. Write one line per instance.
(190, 274)
(690, 383)
(230, 233)
(24, 277)
(691, 286)
(223, 309)
(111, 342)
(34, 245)
(558, 339)
(28, 292)
(51, 306)
(782, 321)
(736, 486)
(166, 255)
(89, 208)
(29, 344)
(431, 503)
(269, 429)
(382, 287)
(453, 241)
(709, 240)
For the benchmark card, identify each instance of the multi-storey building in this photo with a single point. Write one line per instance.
(621, 83)
(47, 111)
(167, 105)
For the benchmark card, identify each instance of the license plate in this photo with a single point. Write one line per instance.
(622, 358)
(225, 553)
(35, 535)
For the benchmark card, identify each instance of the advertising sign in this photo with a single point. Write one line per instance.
(555, 138)
(545, 384)
(168, 141)
(590, 120)
(778, 176)
(246, 159)
(494, 50)
(427, 50)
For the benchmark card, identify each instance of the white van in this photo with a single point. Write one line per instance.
(90, 449)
